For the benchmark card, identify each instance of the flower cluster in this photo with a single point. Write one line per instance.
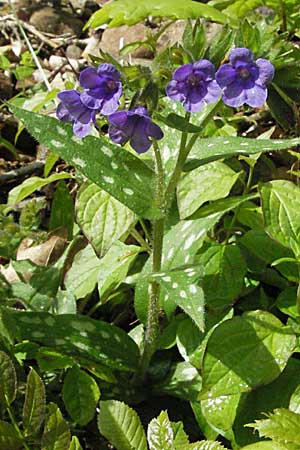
(242, 80)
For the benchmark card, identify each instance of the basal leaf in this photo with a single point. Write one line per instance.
(35, 403)
(102, 218)
(76, 336)
(115, 170)
(211, 181)
(129, 12)
(81, 395)
(160, 434)
(9, 440)
(8, 379)
(121, 426)
(245, 352)
(281, 209)
(56, 434)
(215, 148)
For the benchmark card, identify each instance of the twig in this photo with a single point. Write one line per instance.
(21, 172)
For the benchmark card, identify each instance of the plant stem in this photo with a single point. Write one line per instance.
(152, 325)
(140, 239)
(15, 425)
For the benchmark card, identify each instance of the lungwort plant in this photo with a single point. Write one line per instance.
(177, 290)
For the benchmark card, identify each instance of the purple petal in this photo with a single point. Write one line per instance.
(88, 78)
(225, 75)
(110, 106)
(118, 119)
(91, 102)
(110, 70)
(154, 130)
(266, 71)
(117, 135)
(140, 141)
(193, 107)
(63, 114)
(81, 130)
(234, 101)
(140, 110)
(69, 96)
(256, 96)
(213, 92)
(206, 67)
(176, 91)
(240, 54)
(182, 72)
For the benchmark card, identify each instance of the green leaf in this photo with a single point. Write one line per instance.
(75, 444)
(264, 445)
(222, 205)
(220, 412)
(129, 12)
(8, 379)
(208, 182)
(224, 271)
(115, 170)
(102, 218)
(188, 340)
(160, 434)
(81, 395)
(56, 434)
(76, 336)
(204, 445)
(32, 184)
(35, 403)
(281, 209)
(283, 426)
(62, 210)
(245, 352)
(9, 440)
(121, 426)
(180, 436)
(215, 148)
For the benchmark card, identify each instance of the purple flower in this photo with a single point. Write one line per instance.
(244, 80)
(135, 126)
(71, 109)
(194, 85)
(102, 88)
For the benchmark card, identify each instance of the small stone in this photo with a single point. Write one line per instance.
(73, 52)
(52, 21)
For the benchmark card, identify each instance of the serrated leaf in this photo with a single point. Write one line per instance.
(281, 209)
(180, 436)
(215, 148)
(160, 434)
(8, 379)
(102, 218)
(205, 445)
(9, 440)
(211, 181)
(264, 445)
(75, 444)
(245, 352)
(283, 427)
(76, 336)
(81, 395)
(32, 184)
(56, 435)
(115, 170)
(35, 403)
(130, 12)
(121, 426)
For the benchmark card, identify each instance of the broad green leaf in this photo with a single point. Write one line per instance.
(81, 395)
(56, 435)
(222, 205)
(184, 382)
(294, 404)
(75, 444)
(264, 445)
(129, 12)
(204, 445)
(180, 436)
(35, 403)
(245, 352)
(215, 148)
(160, 434)
(181, 244)
(181, 288)
(81, 278)
(62, 210)
(32, 184)
(283, 427)
(287, 302)
(220, 411)
(49, 360)
(115, 170)
(224, 270)
(76, 336)
(121, 426)
(188, 340)
(102, 218)
(9, 440)
(281, 209)
(8, 379)
(208, 182)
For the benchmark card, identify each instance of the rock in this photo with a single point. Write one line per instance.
(73, 52)
(172, 35)
(53, 21)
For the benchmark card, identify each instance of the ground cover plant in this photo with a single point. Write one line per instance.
(150, 275)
